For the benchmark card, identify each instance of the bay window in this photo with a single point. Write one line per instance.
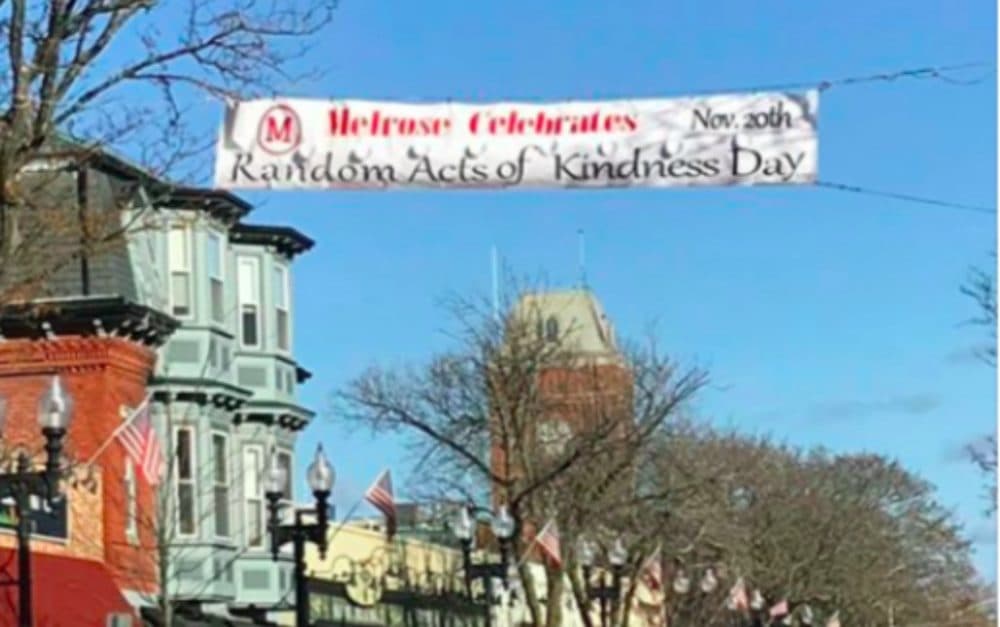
(185, 465)
(281, 306)
(216, 285)
(179, 259)
(220, 481)
(249, 298)
(253, 495)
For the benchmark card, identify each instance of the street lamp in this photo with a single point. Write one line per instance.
(682, 587)
(607, 595)
(503, 527)
(320, 477)
(55, 410)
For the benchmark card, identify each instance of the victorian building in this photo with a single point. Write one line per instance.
(193, 310)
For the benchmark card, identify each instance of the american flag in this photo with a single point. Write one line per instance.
(143, 447)
(548, 540)
(380, 495)
(779, 609)
(652, 571)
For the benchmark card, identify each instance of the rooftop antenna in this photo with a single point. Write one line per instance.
(496, 283)
(582, 258)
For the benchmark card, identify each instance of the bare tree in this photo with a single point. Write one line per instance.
(80, 78)
(981, 288)
(521, 414)
(856, 534)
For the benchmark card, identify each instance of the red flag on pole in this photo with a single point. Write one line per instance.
(548, 540)
(652, 571)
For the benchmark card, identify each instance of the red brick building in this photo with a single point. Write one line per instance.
(103, 351)
(587, 387)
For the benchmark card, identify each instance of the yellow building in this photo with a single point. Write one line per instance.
(364, 579)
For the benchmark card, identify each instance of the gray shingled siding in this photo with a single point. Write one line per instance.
(110, 270)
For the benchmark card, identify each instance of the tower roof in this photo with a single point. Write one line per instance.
(576, 316)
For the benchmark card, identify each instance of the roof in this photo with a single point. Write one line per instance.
(579, 317)
(219, 203)
(286, 239)
(86, 315)
(67, 591)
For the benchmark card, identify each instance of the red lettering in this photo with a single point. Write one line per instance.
(274, 133)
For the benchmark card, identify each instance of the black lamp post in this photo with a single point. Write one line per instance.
(54, 413)
(320, 476)
(503, 528)
(608, 595)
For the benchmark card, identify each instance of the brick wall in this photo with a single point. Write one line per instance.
(86, 524)
(101, 375)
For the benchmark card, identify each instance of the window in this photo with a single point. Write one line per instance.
(220, 483)
(215, 278)
(249, 286)
(285, 463)
(279, 378)
(253, 464)
(185, 464)
(179, 252)
(131, 524)
(552, 330)
(281, 307)
(213, 352)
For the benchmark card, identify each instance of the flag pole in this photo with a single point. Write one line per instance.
(118, 429)
(347, 517)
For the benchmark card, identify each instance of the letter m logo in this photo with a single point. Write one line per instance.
(279, 131)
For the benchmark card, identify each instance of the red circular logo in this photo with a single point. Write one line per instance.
(280, 130)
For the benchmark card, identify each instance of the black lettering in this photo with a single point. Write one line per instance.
(443, 173)
(382, 173)
(562, 169)
(347, 173)
(602, 170)
(423, 167)
(740, 155)
(243, 160)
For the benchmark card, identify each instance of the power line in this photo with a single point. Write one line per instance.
(906, 197)
(939, 72)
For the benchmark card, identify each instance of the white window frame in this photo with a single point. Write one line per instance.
(131, 503)
(281, 274)
(180, 264)
(227, 484)
(253, 500)
(192, 481)
(290, 483)
(216, 275)
(250, 300)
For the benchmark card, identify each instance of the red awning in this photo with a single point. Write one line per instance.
(66, 592)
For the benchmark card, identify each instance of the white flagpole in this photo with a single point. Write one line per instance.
(118, 429)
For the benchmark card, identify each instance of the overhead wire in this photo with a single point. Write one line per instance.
(856, 189)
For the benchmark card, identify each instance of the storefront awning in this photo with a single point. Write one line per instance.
(65, 591)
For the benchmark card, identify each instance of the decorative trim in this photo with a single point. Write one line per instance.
(286, 240)
(101, 317)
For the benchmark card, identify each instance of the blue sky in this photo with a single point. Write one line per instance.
(825, 317)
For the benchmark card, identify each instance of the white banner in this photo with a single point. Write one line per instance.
(749, 139)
